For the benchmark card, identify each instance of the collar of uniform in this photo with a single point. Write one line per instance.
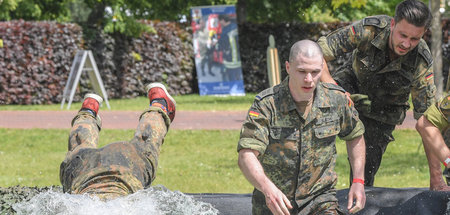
(381, 40)
(286, 102)
(320, 99)
(406, 60)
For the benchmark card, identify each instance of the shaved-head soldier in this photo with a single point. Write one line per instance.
(287, 144)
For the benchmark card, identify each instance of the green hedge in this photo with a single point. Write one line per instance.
(36, 57)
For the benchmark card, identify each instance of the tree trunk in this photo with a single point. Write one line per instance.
(241, 11)
(436, 46)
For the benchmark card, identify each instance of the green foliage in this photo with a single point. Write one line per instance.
(173, 10)
(346, 12)
(319, 14)
(127, 26)
(316, 11)
(123, 18)
(136, 56)
(79, 11)
(353, 3)
(276, 11)
(27, 10)
(127, 12)
(6, 6)
(35, 10)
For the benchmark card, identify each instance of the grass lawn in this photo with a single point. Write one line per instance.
(191, 161)
(185, 102)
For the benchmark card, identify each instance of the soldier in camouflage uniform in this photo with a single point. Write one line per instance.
(389, 61)
(119, 168)
(287, 142)
(434, 127)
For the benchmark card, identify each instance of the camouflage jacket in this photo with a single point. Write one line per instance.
(297, 154)
(387, 84)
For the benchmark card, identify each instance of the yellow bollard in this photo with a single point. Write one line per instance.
(1, 43)
(273, 63)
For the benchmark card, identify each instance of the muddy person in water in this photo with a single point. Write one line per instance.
(119, 168)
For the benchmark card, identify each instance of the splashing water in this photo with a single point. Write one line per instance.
(155, 200)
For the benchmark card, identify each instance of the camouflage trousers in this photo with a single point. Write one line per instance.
(118, 168)
(377, 136)
(325, 203)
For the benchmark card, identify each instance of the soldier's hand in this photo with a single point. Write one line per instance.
(362, 102)
(276, 201)
(357, 194)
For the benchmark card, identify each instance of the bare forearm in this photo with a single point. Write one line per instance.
(252, 170)
(276, 200)
(435, 150)
(434, 163)
(356, 150)
(432, 139)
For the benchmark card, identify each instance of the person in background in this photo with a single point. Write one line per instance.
(430, 126)
(229, 47)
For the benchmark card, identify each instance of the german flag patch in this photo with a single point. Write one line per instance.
(353, 30)
(428, 77)
(253, 113)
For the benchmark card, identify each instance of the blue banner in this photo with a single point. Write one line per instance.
(216, 48)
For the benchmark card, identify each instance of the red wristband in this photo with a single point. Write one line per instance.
(446, 162)
(358, 180)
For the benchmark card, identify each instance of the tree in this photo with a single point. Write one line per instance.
(35, 10)
(436, 46)
(6, 6)
(263, 11)
(349, 12)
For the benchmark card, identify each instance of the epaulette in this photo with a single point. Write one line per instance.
(264, 93)
(444, 103)
(333, 87)
(376, 21)
(425, 53)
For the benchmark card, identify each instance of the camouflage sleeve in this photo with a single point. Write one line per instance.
(351, 125)
(344, 40)
(423, 89)
(254, 132)
(439, 113)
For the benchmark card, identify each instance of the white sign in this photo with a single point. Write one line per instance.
(83, 61)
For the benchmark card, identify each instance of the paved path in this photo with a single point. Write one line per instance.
(122, 119)
(210, 120)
